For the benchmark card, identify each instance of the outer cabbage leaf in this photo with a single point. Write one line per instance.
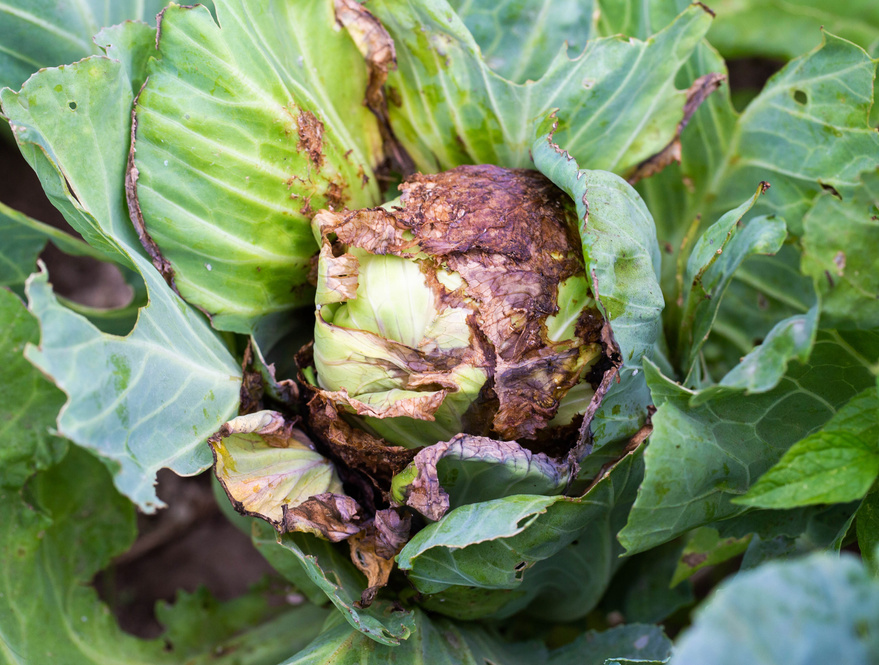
(839, 254)
(618, 102)
(48, 610)
(526, 549)
(821, 609)
(147, 400)
(519, 38)
(784, 29)
(700, 457)
(28, 402)
(837, 464)
(242, 132)
(622, 263)
(470, 469)
(47, 33)
(807, 128)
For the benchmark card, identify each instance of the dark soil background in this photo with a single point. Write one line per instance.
(190, 543)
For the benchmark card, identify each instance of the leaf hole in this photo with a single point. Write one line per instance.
(72, 106)
(830, 188)
(801, 97)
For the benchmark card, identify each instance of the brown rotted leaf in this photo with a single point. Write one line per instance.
(333, 517)
(501, 468)
(373, 550)
(510, 234)
(355, 448)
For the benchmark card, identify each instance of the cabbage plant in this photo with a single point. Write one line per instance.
(498, 325)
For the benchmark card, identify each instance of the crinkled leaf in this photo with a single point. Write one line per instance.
(144, 401)
(436, 641)
(782, 29)
(622, 262)
(868, 531)
(705, 547)
(700, 457)
(52, 32)
(252, 629)
(266, 465)
(519, 38)
(469, 469)
(332, 571)
(243, 130)
(838, 253)
(835, 465)
(822, 609)
(618, 101)
(515, 543)
(28, 402)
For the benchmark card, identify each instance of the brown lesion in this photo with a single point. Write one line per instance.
(311, 133)
(511, 235)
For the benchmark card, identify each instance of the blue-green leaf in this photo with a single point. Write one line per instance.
(822, 609)
(148, 400)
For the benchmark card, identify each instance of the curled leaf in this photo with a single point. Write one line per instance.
(473, 469)
(373, 550)
(331, 516)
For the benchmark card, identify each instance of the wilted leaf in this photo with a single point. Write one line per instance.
(469, 469)
(148, 400)
(29, 403)
(618, 101)
(242, 132)
(822, 609)
(268, 466)
(837, 464)
(701, 457)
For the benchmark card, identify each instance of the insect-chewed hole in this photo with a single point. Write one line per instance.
(801, 97)
(72, 106)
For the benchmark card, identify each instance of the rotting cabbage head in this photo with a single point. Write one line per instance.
(461, 307)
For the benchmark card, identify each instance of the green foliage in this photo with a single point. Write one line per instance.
(195, 159)
(819, 609)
